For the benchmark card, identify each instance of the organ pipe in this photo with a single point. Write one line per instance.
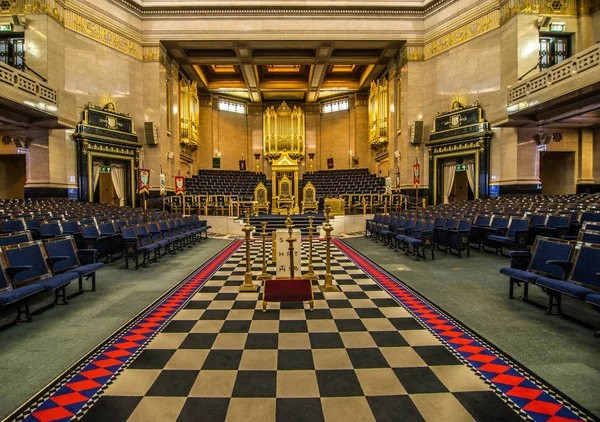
(283, 132)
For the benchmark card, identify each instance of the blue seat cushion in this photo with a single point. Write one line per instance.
(564, 287)
(413, 241)
(58, 281)
(87, 269)
(501, 239)
(15, 295)
(519, 274)
(147, 248)
(593, 299)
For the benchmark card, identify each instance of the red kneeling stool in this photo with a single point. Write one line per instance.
(287, 290)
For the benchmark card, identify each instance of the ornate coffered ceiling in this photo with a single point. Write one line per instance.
(275, 70)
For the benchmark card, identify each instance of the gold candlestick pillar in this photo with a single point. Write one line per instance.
(288, 221)
(264, 275)
(248, 286)
(328, 228)
(291, 241)
(311, 272)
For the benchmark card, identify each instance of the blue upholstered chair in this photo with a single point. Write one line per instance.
(421, 240)
(51, 229)
(15, 238)
(516, 235)
(583, 280)
(27, 263)
(481, 221)
(542, 261)
(108, 229)
(93, 239)
(460, 238)
(442, 235)
(134, 246)
(15, 225)
(16, 296)
(63, 256)
(388, 232)
(556, 226)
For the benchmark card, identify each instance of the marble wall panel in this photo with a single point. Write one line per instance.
(232, 142)
(596, 25)
(335, 140)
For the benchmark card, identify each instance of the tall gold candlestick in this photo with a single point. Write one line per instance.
(248, 286)
(291, 241)
(328, 228)
(311, 272)
(264, 275)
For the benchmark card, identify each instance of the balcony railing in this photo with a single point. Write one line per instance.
(586, 62)
(20, 80)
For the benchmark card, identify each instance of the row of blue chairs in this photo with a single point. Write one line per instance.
(559, 267)
(101, 234)
(485, 231)
(30, 267)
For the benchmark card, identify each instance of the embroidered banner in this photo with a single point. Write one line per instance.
(179, 185)
(143, 181)
(417, 174)
(163, 189)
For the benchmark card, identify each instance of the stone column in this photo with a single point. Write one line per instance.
(586, 158)
(585, 25)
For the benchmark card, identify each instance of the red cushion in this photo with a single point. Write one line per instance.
(286, 290)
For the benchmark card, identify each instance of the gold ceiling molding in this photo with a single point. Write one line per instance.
(151, 53)
(89, 25)
(413, 53)
(102, 34)
(53, 8)
(463, 33)
(510, 8)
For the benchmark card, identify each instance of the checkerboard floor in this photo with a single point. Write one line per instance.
(358, 356)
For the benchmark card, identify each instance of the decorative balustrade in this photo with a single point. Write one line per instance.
(20, 80)
(567, 70)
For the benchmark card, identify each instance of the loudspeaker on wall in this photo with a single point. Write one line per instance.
(416, 132)
(150, 133)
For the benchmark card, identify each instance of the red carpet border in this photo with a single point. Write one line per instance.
(72, 396)
(532, 399)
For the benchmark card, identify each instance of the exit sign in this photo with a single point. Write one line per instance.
(5, 27)
(461, 167)
(105, 169)
(557, 27)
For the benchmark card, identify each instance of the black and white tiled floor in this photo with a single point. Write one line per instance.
(358, 356)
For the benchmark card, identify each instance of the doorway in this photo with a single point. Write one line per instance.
(557, 172)
(13, 173)
(461, 191)
(110, 182)
(106, 190)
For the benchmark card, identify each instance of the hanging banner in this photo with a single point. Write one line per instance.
(163, 188)
(242, 165)
(417, 174)
(388, 185)
(330, 164)
(216, 162)
(143, 181)
(179, 185)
